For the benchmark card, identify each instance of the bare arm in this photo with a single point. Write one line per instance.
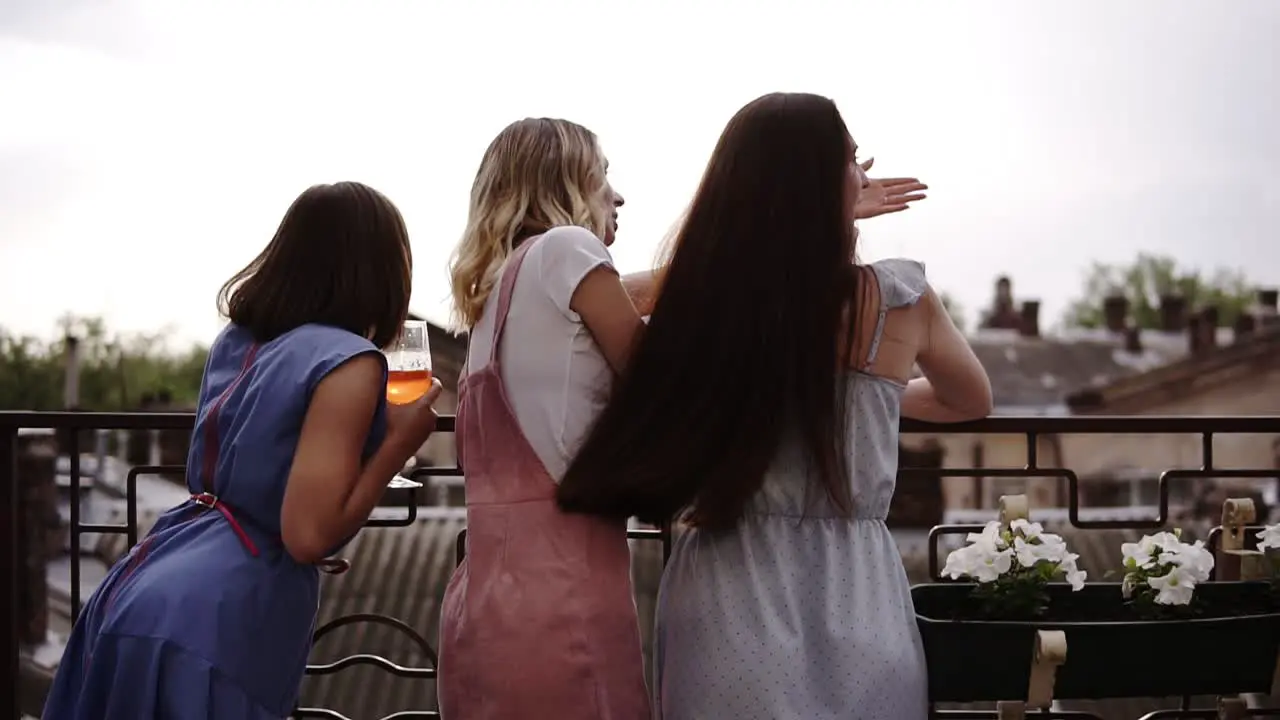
(606, 308)
(329, 495)
(641, 287)
(955, 386)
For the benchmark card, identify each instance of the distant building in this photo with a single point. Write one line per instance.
(1039, 374)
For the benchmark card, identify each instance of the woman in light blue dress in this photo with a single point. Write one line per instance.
(210, 616)
(761, 407)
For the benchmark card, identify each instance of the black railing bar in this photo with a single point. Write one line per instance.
(440, 472)
(1021, 472)
(73, 503)
(1206, 451)
(10, 538)
(102, 529)
(69, 420)
(395, 624)
(935, 533)
(318, 713)
(370, 660)
(1206, 713)
(131, 492)
(995, 715)
(1102, 425)
(1033, 450)
(1001, 425)
(411, 516)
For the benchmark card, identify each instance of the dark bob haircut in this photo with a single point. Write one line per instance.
(340, 257)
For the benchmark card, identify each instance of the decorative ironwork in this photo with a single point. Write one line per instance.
(71, 424)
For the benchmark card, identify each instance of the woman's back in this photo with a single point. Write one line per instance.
(802, 610)
(874, 386)
(557, 378)
(196, 565)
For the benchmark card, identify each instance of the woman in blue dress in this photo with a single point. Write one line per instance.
(210, 615)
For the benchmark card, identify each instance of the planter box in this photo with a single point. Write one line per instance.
(1111, 653)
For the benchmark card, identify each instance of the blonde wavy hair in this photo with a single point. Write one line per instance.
(538, 173)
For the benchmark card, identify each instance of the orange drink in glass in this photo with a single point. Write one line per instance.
(409, 364)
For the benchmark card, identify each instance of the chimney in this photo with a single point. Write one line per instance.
(1209, 326)
(1244, 327)
(71, 378)
(1004, 294)
(1115, 310)
(1030, 318)
(1195, 338)
(1267, 300)
(1173, 313)
(1133, 340)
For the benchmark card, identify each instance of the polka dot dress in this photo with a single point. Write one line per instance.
(799, 612)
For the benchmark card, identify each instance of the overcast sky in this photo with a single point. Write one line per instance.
(149, 147)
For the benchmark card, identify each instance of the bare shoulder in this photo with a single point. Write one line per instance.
(356, 382)
(570, 238)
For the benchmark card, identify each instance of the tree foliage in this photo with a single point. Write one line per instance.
(1146, 279)
(117, 370)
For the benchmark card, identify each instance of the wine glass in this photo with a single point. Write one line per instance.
(409, 363)
(409, 376)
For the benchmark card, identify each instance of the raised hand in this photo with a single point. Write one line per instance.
(881, 196)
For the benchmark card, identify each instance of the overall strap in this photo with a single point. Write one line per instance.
(208, 495)
(508, 286)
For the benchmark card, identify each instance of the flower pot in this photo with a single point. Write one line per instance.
(1229, 646)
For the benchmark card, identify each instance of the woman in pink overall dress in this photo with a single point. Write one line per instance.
(539, 620)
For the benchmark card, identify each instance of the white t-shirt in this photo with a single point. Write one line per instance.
(557, 379)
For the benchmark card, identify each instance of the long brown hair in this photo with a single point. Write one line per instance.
(340, 257)
(750, 337)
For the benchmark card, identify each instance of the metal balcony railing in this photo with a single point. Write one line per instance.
(80, 433)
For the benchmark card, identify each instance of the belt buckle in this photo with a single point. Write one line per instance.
(206, 500)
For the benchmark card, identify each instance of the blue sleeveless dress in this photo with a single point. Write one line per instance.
(208, 616)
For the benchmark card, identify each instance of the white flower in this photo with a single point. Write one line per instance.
(1137, 555)
(1029, 553)
(1160, 541)
(993, 553)
(1195, 559)
(1055, 548)
(1071, 573)
(1173, 588)
(1027, 529)
(960, 563)
(992, 535)
(980, 561)
(1269, 537)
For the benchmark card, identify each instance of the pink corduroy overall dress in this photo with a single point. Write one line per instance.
(538, 621)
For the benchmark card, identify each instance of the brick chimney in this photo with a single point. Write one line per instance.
(1002, 314)
(1030, 325)
(1115, 311)
(1209, 326)
(1202, 330)
(1133, 340)
(1244, 327)
(1173, 313)
(1267, 300)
